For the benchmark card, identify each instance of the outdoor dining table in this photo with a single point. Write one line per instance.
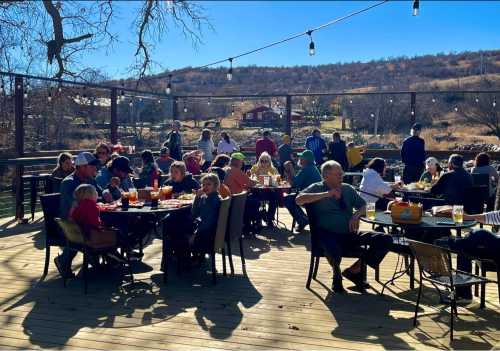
(280, 189)
(142, 213)
(400, 243)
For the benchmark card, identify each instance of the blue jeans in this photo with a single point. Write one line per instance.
(295, 210)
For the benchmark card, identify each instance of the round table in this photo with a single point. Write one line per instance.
(400, 244)
(262, 189)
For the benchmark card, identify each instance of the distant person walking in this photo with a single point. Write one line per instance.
(227, 145)
(174, 141)
(413, 155)
(265, 144)
(338, 151)
(285, 151)
(317, 145)
(206, 145)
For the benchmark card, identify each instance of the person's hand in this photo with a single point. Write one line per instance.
(336, 193)
(354, 224)
(398, 185)
(198, 192)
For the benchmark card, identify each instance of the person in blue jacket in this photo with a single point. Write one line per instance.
(307, 175)
(413, 155)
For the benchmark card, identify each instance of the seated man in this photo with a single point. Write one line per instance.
(307, 175)
(453, 185)
(119, 168)
(333, 203)
(84, 173)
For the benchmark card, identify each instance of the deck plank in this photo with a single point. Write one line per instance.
(271, 308)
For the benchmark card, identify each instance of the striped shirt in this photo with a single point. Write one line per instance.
(316, 145)
(492, 217)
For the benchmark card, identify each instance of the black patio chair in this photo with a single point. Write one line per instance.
(435, 266)
(53, 234)
(235, 228)
(317, 252)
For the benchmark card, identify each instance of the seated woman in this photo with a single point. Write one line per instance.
(180, 180)
(219, 165)
(103, 154)
(149, 171)
(264, 167)
(482, 166)
(64, 166)
(432, 172)
(193, 161)
(373, 188)
(288, 171)
(164, 161)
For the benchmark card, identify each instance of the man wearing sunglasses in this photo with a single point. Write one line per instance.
(338, 208)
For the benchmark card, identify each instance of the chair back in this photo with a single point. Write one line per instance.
(71, 231)
(475, 198)
(431, 259)
(316, 249)
(220, 232)
(50, 208)
(236, 215)
(55, 184)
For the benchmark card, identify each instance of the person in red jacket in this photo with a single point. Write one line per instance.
(265, 144)
(85, 211)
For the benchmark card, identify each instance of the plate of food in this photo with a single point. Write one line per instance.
(189, 197)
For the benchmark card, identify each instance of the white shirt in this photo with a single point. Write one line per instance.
(373, 183)
(208, 147)
(226, 148)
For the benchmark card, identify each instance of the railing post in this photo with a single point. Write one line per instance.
(413, 110)
(288, 126)
(19, 143)
(175, 108)
(113, 125)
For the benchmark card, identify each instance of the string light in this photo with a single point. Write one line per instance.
(27, 85)
(412, 112)
(494, 102)
(2, 88)
(209, 101)
(312, 49)
(122, 95)
(232, 110)
(477, 100)
(169, 85)
(372, 115)
(416, 7)
(159, 101)
(350, 101)
(185, 109)
(26, 94)
(59, 88)
(49, 97)
(131, 103)
(78, 94)
(433, 100)
(390, 100)
(229, 75)
(456, 109)
(314, 102)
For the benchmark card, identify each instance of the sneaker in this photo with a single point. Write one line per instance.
(64, 273)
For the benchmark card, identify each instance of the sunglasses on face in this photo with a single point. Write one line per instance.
(102, 152)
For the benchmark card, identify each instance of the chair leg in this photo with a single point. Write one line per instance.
(214, 269)
(230, 257)
(242, 255)
(224, 270)
(316, 266)
(498, 283)
(377, 274)
(412, 272)
(85, 268)
(476, 272)
(483, 289)
(418, 302)
(311, 269)
(453, 305)
(129, 265)
(47, 259)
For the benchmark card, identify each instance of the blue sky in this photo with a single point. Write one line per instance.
(386, 31)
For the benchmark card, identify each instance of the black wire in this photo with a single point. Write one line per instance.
(295, 36)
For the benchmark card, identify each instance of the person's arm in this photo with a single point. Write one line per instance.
(438, 188)
(492, 218)
(360, 206)
(404, 158)
(308, 198)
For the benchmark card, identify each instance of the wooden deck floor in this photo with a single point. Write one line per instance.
(271, 309)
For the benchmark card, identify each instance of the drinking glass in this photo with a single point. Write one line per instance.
(125, 200)
(370, 211)
(166, 192)
(155, 196)
(458, 214)
(397, 178)
(132, 195)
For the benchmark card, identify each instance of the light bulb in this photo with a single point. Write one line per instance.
(78, 96)
(2, 89)
(185, 109)
(350, 101)
(456, 109)
(312, 49)
(390, 100)
(18, 86)
(209, 101)
(131, 103)
(59, 89)
(49, 98)
(412, 113)
(372, 115)
(159, 101)
(477, 100)
(25, 94)
(314, 102)
(416, 5)
(494, 102)
(433, 100)
(229, 74)
(169, 89)
(27, 86)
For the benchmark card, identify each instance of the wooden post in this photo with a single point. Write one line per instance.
(113, 125)
(413, 111)
(175, 108)
(288, 126)
(19, 143)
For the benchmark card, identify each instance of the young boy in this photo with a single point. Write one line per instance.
(112, 192)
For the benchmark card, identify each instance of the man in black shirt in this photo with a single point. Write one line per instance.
(413, 155)
(453, 185)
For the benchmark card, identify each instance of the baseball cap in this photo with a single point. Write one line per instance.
(307, 155)
(416, 126)
(121, 163)
(86, 158)
(238, 156)
(164, 150)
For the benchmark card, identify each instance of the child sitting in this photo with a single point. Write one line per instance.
(205, 212)
(85, 211)
(288, 171)
(112, 192)
(149, 171)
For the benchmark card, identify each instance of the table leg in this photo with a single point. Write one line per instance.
(412, 272)
(33, 193)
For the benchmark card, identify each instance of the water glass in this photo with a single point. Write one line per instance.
(397, 178)
(370, 211)
(458, 214)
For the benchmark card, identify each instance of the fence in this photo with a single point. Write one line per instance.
(39, 114)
